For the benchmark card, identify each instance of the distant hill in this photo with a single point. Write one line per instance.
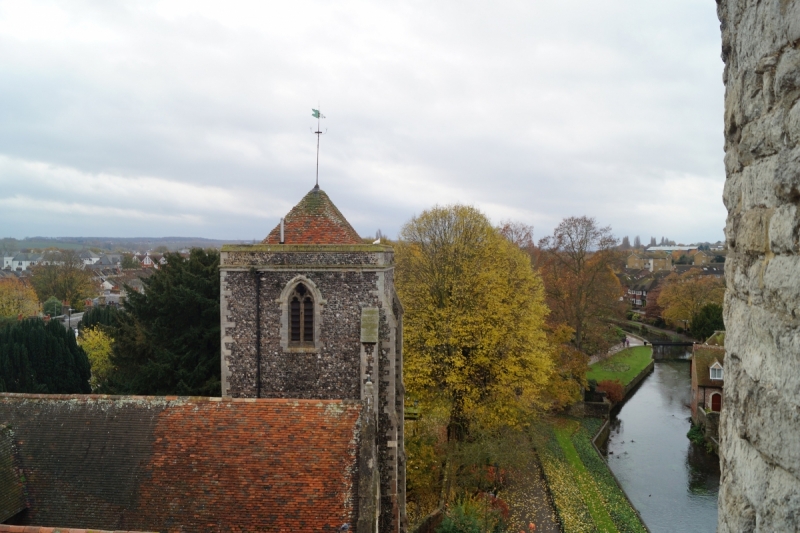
(114, 243)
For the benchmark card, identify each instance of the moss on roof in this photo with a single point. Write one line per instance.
(314, 220)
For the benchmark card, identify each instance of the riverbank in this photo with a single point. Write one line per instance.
(625, 366)
(585, 493)
(651, 333)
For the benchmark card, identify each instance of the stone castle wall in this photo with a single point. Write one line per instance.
(760, 423)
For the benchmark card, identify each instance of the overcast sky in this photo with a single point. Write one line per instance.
(193, 118)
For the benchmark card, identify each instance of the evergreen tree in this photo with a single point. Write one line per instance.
(626, 244)
(167, 341)
(105, 316)
(652, 241)
(637, 242)
(707, 321)
(42, 357)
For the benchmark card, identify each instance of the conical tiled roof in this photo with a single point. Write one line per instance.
(315, 220)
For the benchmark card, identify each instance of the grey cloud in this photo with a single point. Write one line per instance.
(534, 110)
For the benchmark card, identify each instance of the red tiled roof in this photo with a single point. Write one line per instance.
(186, 464)
(40, 529)
(315, 220)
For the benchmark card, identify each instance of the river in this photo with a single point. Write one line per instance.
(671, 482)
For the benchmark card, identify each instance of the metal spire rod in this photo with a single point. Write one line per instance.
(319, 116)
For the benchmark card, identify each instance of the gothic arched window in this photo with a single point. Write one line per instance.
(301, 316)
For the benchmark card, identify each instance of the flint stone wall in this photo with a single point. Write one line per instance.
(344, 280)
(760, 423)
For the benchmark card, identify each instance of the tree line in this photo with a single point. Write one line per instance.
(498, 330)
(166, 341)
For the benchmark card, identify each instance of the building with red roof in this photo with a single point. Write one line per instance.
(311, 312)
(308, 434)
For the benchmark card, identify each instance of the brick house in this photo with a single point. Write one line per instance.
(636, 291)
(308, 435)
(652, 261)
(703, 257)
(708, 380)
(637, 260)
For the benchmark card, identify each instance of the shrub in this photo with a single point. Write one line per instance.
(613, 389)
(484, 513)
(52, 306)
(696, 434)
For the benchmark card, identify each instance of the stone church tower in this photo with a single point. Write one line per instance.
(311, 313)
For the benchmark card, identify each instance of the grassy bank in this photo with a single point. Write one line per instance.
(586, 496)
(623, 366)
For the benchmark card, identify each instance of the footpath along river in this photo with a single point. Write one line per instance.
(671, 482)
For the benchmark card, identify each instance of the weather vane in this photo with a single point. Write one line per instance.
(319, 116)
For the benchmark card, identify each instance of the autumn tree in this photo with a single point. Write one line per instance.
(474, 323)
(682, 296)
(568, 372)
(652, 310)
(17, 298)
(568, 375)
(519, 234)
(97, 344)
(581, 287)
(62, 275)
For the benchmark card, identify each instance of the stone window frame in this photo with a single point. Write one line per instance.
(712, 368)
(283, 302)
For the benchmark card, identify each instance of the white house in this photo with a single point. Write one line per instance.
(25, 261)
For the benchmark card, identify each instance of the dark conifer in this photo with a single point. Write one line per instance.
(167, 341)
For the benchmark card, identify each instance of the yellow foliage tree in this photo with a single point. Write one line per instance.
(682, 296)
(98, 346)
(474, 333)
(568, 378)
(17, 297)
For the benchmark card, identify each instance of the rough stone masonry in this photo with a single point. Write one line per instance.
(760, 427)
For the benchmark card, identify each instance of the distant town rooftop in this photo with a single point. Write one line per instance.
(671, 248)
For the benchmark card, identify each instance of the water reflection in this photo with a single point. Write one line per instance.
(671, 482)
